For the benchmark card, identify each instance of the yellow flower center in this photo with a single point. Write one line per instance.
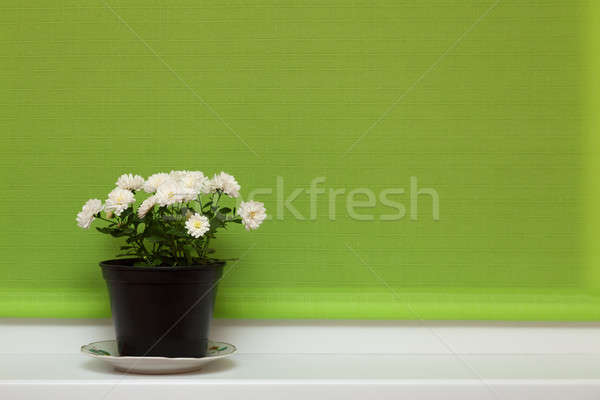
(197, 224)
(252, 214)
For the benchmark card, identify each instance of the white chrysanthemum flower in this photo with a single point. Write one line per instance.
(253, 213)
(225, 183)
(197, 225)
(92, 206)
(154, 181)
(146, 206)
(193, 183)
(84, 220)
(130, 182)
(170, 192)
(187, 194)
(88, 212)
(119, 200)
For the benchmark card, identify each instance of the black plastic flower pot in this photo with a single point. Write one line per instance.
(161, 311)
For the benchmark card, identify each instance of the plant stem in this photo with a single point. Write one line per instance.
(205, 247)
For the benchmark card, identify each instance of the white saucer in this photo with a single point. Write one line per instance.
(106, 350)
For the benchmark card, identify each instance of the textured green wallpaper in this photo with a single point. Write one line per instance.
(487, 104)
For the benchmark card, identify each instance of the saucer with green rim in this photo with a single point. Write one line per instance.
(106, 350)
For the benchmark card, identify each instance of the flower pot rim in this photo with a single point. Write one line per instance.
(126, 264)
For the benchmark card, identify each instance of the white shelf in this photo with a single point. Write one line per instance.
(319, 360)
(301, 376)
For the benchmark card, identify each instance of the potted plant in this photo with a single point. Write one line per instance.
(162, 292)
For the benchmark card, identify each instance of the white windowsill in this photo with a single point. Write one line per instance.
(319, 360)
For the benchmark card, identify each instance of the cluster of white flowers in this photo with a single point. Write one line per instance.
(253, 213)
(171, 188)
(177, 186)
(88, 212)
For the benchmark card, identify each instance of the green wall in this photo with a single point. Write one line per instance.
(489, 103)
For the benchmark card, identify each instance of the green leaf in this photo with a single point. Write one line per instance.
(154, 238)
(177, 231)
(216, 223)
